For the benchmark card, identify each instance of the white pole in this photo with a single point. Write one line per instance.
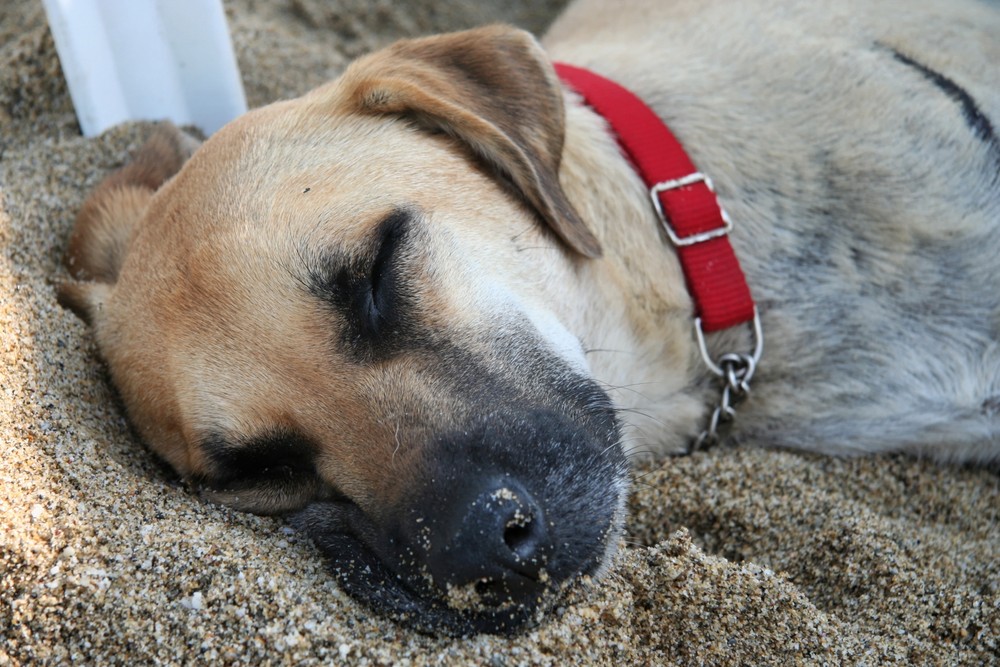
(147, 60)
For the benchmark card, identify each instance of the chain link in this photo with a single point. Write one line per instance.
(737, 371)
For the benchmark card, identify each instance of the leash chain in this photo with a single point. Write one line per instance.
(737, 370)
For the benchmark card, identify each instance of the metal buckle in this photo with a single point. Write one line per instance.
(736, 371)
(690, 239)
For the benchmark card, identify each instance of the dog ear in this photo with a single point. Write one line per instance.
(495, 91)
(105, 223)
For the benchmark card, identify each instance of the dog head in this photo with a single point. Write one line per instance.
(352, 306)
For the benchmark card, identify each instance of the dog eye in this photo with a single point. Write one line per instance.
(380, 281)
(369, 290)
(270, 472)
(379, 300)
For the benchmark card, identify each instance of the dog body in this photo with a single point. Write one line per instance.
(431, 302)
(865, 191)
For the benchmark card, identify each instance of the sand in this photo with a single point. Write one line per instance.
(735, 556)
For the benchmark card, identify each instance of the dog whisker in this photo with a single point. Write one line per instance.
(396, 436)
(629, 388)
(539, 247)
(609, 349)
(521, 233)
(636, 411)
(633, 543)
(637, 478)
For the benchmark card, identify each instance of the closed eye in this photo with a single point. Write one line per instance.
(368, 288)
(383, 278)
(268, 473)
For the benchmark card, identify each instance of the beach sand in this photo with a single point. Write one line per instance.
(736, 556)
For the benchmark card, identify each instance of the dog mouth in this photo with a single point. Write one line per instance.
(484, 542)
(482, 606)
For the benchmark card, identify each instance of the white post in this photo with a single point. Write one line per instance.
(147, 60)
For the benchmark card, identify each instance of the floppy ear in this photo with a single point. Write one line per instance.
(494, 90)
(106, 221)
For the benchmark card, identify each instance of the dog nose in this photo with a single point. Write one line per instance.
(497, 543)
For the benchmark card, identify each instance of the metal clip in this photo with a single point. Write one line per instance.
(690, 239)
(736, 371)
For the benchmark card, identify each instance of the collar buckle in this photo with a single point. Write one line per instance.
(682, 182)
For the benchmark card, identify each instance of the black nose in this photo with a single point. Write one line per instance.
(496, 541)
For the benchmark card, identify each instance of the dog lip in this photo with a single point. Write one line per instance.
(342, 532)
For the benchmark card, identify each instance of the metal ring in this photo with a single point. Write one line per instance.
(703, 345)
(736, 371)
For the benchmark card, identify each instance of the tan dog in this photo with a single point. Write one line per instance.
(420, 301)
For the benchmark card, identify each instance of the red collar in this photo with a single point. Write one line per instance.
(682, 197)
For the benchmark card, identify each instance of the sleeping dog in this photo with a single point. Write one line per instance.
(432, 307)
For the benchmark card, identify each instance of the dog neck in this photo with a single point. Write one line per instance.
(694, 220)
(639, 322)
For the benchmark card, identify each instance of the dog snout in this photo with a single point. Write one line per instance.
(494, 546)
(479, 528)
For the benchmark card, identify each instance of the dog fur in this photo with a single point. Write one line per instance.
(351, 300)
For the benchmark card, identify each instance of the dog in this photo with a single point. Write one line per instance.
(429, 309)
